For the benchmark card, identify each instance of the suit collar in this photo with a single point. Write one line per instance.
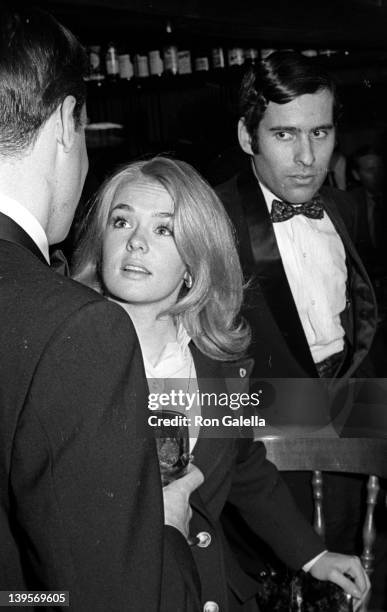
(208, 455)
(271, 275)
(12, 232)
(26, 220)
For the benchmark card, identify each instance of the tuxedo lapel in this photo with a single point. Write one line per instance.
(358, 285)
(270, 273)
(247, 194)
(342, 231)
(12, 232)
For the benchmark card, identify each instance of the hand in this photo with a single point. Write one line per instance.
(177, 511)
(335, 567)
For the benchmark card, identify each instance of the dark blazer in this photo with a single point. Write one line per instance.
(280, 348)
(80, 497)
(237, 472)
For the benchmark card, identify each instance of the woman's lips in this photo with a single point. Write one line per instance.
(135, 269)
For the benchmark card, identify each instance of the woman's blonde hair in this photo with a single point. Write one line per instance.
(204, 237)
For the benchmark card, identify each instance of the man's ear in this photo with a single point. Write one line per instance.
(244, 137)
(66, 123)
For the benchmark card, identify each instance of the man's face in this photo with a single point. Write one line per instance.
(295, 143)
(370, 172)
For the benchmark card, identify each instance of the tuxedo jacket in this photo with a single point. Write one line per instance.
(80, 494)
(237, 473)
(280, 348)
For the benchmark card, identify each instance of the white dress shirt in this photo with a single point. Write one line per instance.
(27, 221)
(175, 362)
(313, 256)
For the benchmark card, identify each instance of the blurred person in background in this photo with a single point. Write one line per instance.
(369, 194)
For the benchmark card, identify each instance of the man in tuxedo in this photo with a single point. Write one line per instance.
(309, 302)
(81, 507)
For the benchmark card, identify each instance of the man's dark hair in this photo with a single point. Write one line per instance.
(41, 63)
(280, 78)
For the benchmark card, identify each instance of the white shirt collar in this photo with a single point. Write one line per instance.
(23, 217)
(173, 358)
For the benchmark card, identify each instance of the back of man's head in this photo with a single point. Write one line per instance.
(280, 78)
(41, 63)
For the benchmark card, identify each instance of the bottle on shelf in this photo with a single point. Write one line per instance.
(184, 61)
(95, 66)
(201, 60)
(141, 66)
(111, 62)
(170, 57)
(217, 57)
(156, 65)
(125, 66)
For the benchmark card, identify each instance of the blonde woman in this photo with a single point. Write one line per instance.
(158, 242)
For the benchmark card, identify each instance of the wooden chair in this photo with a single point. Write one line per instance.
(352, 455)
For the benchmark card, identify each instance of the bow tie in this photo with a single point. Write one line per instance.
(282, 211)
(59, 262)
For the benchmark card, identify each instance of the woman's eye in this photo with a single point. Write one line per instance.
(163, 230)
(120, 222)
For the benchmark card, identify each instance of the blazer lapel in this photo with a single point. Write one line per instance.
(208, 456)
(270, 273)
(12, 232)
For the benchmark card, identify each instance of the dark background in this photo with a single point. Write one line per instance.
(194, 117)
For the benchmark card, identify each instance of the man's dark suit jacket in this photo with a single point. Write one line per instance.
(236, 471)
(280, 347)
(373, 253)
(80, 497)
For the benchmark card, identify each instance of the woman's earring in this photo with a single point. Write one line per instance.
(188, 280)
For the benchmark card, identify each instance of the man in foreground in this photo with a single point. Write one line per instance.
(81, 508)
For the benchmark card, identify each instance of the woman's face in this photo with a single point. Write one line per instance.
(140, 261)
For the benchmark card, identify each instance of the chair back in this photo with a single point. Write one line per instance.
(366, 456)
